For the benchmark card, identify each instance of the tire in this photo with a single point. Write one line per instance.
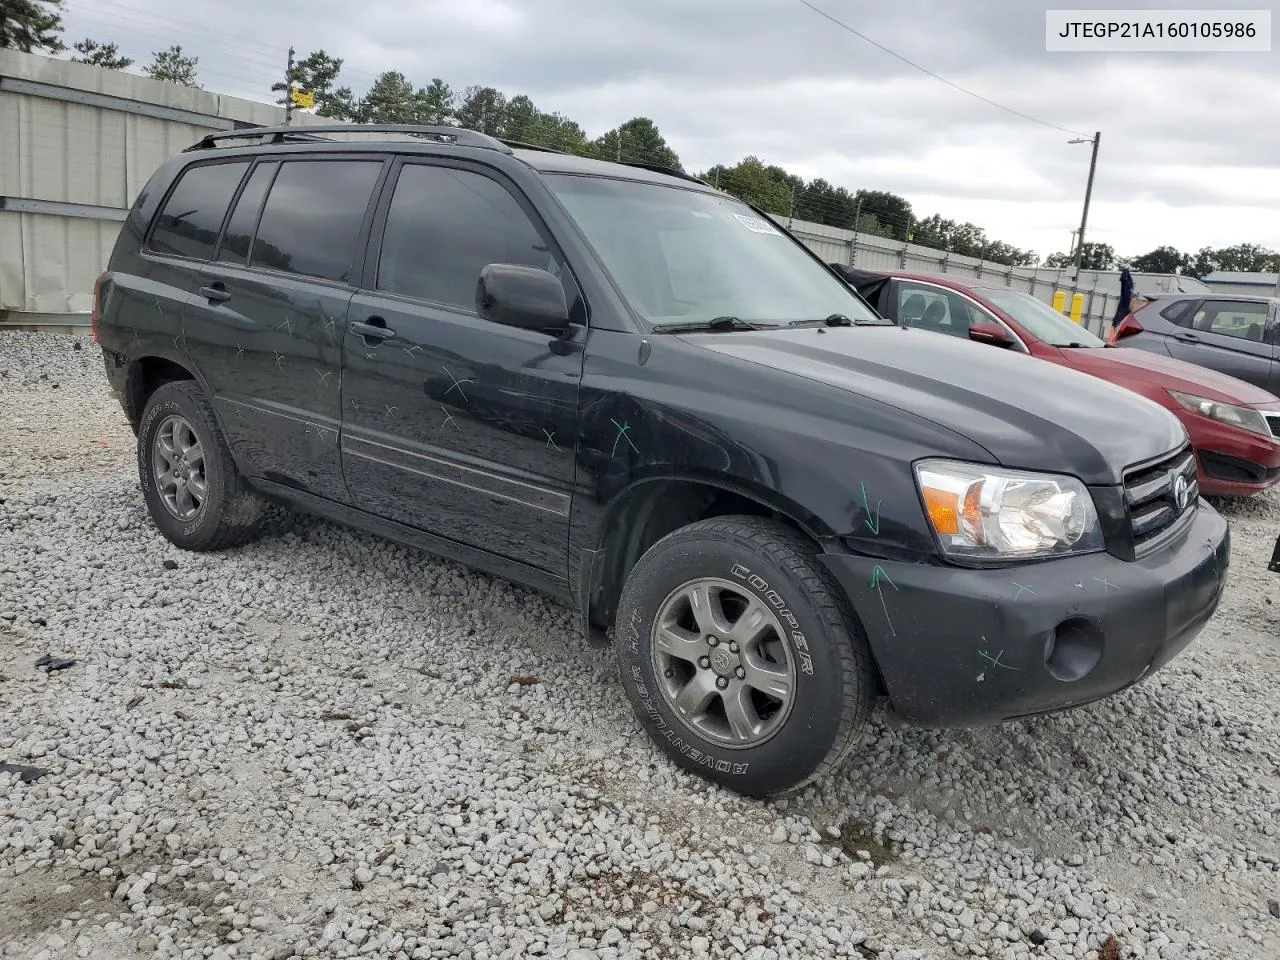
(785, 738)
(228, 513)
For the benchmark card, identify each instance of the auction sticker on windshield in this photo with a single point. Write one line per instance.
(756, 225)
(1153, 31)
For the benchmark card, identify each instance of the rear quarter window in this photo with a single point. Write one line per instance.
(189, 221)
(1177, 311)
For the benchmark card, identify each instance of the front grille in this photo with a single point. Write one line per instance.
(1149, 494)
(1273, 421)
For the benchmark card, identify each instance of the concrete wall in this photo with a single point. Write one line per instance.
(77, 143)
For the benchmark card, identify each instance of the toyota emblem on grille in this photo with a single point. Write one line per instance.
(1181, 491)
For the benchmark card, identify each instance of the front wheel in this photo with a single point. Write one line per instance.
(741, 657)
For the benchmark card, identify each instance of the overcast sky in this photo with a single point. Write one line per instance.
(1190, 152)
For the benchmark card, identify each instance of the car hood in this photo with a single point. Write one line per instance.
(1027, 413)
(1129, 367)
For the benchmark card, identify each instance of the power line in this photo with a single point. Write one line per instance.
(245, 70)
(950, 83)
(242, 41)
(219, 41)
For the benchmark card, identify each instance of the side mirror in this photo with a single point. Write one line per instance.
(524, 297)
(991, 333)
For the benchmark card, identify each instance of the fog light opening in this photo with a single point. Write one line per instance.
(1073, 649)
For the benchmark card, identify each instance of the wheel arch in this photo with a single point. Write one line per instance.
(144, 377)
(649, 509)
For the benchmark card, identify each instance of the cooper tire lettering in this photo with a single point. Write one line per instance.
(831, 686)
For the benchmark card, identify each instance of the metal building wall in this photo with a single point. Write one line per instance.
(77, 144)
(1101, 289)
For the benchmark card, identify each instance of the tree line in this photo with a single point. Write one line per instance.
(1243, 257)
(36, 25)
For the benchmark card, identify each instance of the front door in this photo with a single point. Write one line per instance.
(452, 424)
(1230, 336)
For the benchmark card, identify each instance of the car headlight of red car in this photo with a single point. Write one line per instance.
(1245, 418)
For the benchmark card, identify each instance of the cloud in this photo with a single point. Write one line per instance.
(1188, 154)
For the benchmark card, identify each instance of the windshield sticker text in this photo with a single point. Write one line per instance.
(756, 225)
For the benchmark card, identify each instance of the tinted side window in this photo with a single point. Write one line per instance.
(1232, 318)
(189, 223)
(444, 226)
(235, 242)
(312, 217)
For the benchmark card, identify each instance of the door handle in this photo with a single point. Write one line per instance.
(215, 292)
(375, 328)
(1187, 338)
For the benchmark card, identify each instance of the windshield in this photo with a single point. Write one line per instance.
(687, 256)
(1041, 320)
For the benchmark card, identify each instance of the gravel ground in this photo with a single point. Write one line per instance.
(327, 745)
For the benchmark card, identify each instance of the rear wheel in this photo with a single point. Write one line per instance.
(741, 657)
(196, 496)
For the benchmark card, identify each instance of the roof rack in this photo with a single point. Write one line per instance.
(311, 132)
(521, 145)
(669, 171)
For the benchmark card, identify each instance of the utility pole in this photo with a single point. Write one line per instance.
(288, 90)
(1088, 193)
(619, 157)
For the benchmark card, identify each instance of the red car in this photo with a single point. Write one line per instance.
(1234, 426)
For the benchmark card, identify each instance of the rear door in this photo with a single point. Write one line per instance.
(452, 424)
(1230, 336)
(158, 303)
(268, 322)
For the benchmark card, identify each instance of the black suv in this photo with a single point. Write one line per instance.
(625, 388)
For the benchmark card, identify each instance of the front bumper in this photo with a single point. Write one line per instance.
(1234, 462)
(961, 647)
(1229, 475)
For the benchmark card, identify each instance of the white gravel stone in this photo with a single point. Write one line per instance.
(329, 759)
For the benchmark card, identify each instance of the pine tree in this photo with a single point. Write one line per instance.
(31, 25)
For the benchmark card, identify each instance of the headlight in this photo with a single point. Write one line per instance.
(996, 514)
(1243, 417)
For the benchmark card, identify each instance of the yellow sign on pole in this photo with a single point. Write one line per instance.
(305, 99)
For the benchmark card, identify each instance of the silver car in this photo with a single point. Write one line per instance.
(1235, 335)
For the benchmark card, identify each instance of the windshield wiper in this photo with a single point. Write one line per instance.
(717, 324)
(835, 320)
